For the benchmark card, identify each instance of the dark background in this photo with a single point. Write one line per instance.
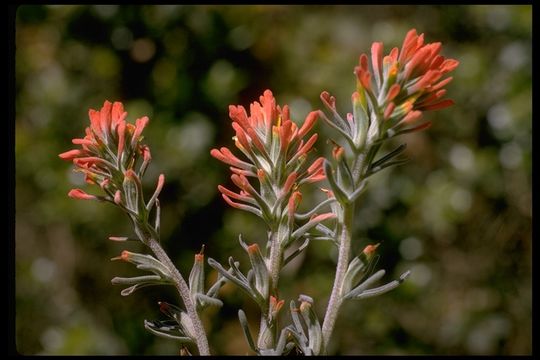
(458, 215)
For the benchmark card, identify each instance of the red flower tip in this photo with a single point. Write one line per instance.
(81, 195)
(411, 117)
(289, 182)
(311, 119)
(393, 92)
(199, 258)
(337, 152)
(118, 114)
(440, 105)
(117, 197)
(161, 182)
(389, 110)
(140, 124)
(370, 249)
(261, 175)
(125, 255)
(294, 201)
(329, 100)
(317, 164)
(130, 174)
(70, 155)
(275, 305)
(253, 248)
(322, 217)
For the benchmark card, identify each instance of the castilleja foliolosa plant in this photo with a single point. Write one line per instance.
(273, 162)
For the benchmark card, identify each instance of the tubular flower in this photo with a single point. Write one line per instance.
(111, 145)
(108, 156)
(392, 95)
(276, 154)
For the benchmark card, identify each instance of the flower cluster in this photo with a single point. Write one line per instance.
(276, 155)
(108, 157)
(391, 97)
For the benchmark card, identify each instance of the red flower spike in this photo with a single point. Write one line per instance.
(99, 157)
(273, 145)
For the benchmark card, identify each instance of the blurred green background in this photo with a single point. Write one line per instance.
(458, 215)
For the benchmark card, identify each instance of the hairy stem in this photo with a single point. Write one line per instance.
(360, 163)
(183, 290)
(336, 299)
(267, 328)
(276, 258)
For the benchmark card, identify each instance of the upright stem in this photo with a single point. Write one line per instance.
(360, 163)
(276, 257)
(267, 330)
(343, 262)
(183, 290)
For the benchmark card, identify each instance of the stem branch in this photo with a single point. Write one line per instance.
(183, 290)
(336, 299)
